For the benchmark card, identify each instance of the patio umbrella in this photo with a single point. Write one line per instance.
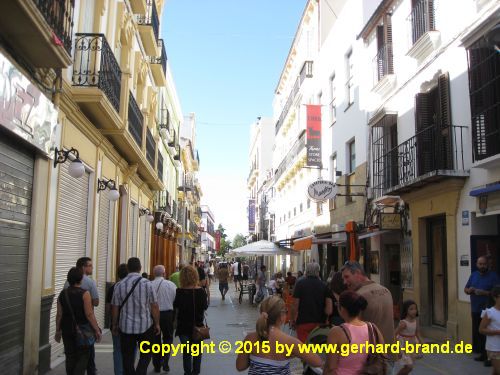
(262, 247)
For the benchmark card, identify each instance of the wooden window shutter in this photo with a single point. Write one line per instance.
(424, 121)
(444, 100)
(388, 42)
(431, 15)
(444, 131)
(423, 112)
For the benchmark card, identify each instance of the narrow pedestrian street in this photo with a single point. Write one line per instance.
(229, 320)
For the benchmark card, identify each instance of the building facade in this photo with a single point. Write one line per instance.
(207, 233)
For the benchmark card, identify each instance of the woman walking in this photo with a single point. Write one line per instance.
(74, 307)
(268, 332)
(190, 303)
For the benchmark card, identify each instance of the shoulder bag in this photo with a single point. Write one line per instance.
(203, 332)
(84, 334)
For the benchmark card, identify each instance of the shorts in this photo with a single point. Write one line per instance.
(223, 286)
(236, 278)
(245, 277)
(493, 355)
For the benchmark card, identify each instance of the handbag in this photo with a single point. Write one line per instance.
(376, 364)
(84, 334)
(199, 333)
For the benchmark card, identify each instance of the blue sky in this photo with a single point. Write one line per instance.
(226, 57)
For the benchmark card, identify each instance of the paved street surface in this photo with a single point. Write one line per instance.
(229, 320)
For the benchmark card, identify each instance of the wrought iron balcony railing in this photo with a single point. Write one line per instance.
(150, 18)
(421, 19)
(95, 65)
(59, 16)
(177, 155)
(150, 148)
(160, 166)
(297, 147)
(162, 59)
(162, 199)
(135, 120)
(383, 63)
(430, 150)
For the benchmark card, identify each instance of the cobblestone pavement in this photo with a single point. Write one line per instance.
(230, 321)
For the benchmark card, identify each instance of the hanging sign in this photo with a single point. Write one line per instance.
(313, 135)
(322, 190)
(251, 215)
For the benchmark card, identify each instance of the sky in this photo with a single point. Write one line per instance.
(226, 57)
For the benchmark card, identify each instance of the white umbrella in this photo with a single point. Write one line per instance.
(262, 247)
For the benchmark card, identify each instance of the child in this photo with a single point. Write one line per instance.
(490, 326)
(408, 331)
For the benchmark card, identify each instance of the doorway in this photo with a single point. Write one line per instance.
(438, 289)
(488, 246)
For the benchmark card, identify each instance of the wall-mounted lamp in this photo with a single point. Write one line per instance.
(145, 211)
(159, 226)
(163, 130)
(114, 194)
(76, 168)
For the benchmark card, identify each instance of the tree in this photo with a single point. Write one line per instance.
(239, 240)
(225, 244)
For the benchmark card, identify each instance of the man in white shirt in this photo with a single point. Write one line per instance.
(165, 292)
(236, 274)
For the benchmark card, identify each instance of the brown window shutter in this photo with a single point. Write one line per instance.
(423, 112)
(444, 99)
(443, 135)
(431, 15)
(424, 133)
(388, 42)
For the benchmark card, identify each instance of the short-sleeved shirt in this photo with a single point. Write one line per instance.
(201, 273)
(262, 278)
(175, 278)
(380, 310)
(484, 282)
(311, 292)
(87, 284)
(165, 293)
(223, 275)
(235, 267)
(492, 341)
(135, 316)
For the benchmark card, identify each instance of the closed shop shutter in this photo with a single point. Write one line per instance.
(132, 230)
(103, 249)
(71, 237)
(16, 183)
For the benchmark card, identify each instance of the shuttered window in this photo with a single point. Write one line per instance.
(384, 58)
(484, 89)
(16, 184)
(71, 236)
(132, 232)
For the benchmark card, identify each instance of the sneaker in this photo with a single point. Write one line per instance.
(166, 368)
(487, 363)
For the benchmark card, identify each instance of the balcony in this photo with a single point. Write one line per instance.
(431, 155)
(163, 202)
(423, 35)
(177, 155)
(305, 72)
(159, 65)
(187, 184)
(164, 123)
(150, 148)
(97, 80)
(40, 31)
(149, 26)
(138, 6)
(383, 70)
(135, 120)
(297, 148)
(160, 166)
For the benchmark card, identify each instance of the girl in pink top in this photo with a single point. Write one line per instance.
(351, 305)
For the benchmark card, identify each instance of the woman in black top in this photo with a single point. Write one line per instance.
(81, 304)
(190, 303)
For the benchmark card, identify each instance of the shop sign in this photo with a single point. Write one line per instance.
(24, 109)
(322, 190)
(251, 215)
(390, 221)
(313, 139)
(465, 218)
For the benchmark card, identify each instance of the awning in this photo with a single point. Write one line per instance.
(485, 190)
(304, 243)
(373, 234)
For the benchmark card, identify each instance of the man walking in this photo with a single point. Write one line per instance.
(85, 264)
(175, 276)
(479, 287)
(165, 293)
(223, 275)
(308, 309)
(135, 316)
(236, 271)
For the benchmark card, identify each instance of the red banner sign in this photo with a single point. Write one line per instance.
(313, 135)
(217, 240)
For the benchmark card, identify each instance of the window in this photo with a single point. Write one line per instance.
(385, 154)
(295, 211)
(308, 203)
(384, 61)
(333, 167)
(333, 101)
(301, 207)
(422, 18)
(351, 162)
(320, 96)
(349, 79)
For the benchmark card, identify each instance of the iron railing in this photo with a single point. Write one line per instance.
(187, 183)
(160, 166)
(421, 19)
(59, 15)
(174, 210)
(164, 120)
(162, 59)
(305, 72)
(173, 141)
(150, 148)
(162, 200)
(95, 65)
(135, 120)
(383, 63)
(297, 147)
(432, 149)
(150, 18)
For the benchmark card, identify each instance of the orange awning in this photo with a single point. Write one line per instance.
(303, 243)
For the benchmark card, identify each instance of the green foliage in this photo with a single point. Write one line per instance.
(239, 240)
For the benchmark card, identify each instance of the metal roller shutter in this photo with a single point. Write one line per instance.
(71, 237)
(103, 248)
(16, 184)
(132, 230)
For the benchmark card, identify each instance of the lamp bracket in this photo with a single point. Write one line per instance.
(103, 184)
(144, 211)
(60, 156)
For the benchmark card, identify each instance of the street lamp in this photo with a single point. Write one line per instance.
(76, 169)
(114, 194)
(149, 216)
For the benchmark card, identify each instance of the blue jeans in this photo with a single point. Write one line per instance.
(192, 365)
(117, 355)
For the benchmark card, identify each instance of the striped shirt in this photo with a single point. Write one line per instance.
(135, 316)
(267, 366)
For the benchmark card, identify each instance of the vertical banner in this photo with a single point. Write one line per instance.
(313, 135)
(217, 240)
(251, 215)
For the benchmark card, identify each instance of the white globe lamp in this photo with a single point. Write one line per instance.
(159, 225)
(76, 169)
(114, 195)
